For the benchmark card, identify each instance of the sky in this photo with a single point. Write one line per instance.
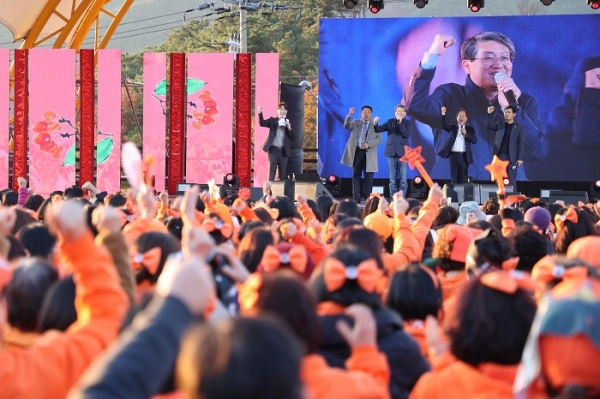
(148, 22)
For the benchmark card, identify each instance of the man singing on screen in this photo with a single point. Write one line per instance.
(487, 59)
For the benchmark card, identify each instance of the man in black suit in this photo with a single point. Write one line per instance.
(508, 141)
(458, 146)
(398, 134)
(277, 144)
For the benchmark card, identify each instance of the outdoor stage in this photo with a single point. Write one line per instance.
(573, 191)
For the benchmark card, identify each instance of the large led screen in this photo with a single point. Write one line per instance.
(555, 72)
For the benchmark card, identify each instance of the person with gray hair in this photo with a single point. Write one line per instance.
(487, 59)
(398, 134)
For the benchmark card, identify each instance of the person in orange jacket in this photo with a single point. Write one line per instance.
(52, 365)
(409, 240)
(367, 373)
(449, 255)
(488, 331)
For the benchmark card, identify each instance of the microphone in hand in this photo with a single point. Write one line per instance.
(510, 96)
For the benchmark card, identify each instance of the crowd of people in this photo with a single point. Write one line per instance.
(132, 295)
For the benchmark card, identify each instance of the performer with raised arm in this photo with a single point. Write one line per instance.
(457, 147)
(361, 152)
(277, 144)
(398, 134)
(487, 59)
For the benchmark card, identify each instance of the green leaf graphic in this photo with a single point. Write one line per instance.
(70, 158)
(105, 148)
(193, 85)
(161, 88)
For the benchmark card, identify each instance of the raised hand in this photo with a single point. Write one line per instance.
(188, 280)
(302, 199)
(376, 120)
(66, 219)
(260, 109)
(364, 331)
(443, 110)
(22, 182)
(195, 242)
(436, 194)
(164, 198)
(107, 219)
(491, 109)
(188, 205)
(441, 43)
(592, 78)
(145, 200)
(400, 205)
(505, 85)
(351, 112)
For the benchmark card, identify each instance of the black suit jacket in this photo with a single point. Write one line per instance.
(516, 146)
(273, 124)
(398, 135)
(470, 138)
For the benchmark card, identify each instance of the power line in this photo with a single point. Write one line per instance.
(118, 35)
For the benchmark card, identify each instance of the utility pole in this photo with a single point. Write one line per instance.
(243, 28)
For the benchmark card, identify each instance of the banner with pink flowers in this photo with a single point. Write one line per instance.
(209, 143)
(108, 139)
(4, 116)
(52, 119)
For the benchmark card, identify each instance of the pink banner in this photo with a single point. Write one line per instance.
(52, 120)
(155, 105)
(210, 106)
(267, 95)
(4, 116)
(108, 139)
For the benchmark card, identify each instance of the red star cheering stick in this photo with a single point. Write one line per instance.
(413, 157)
(498, 171)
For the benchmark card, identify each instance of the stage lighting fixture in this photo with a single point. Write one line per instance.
(421, 3)
(350, 4)
(546, 2)
(475, 5)
(595, 191)
(595, 4)
(418, 182)
(231, 185)
(375, 6)
(334, 185)
(417, 188)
